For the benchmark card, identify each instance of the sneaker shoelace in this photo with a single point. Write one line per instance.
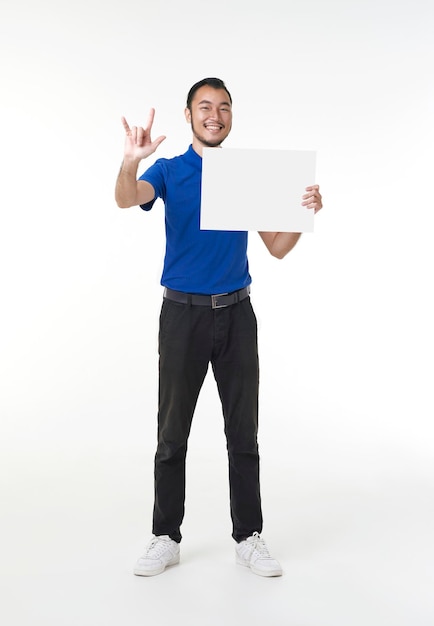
(156, 548)
(260, 547)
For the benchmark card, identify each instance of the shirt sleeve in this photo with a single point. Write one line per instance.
(155, 175)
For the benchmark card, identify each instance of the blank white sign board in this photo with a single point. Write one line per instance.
(256, 189)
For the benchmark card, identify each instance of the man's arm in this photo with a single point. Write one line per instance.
(279, 244)
(130, 191)
(138, 145)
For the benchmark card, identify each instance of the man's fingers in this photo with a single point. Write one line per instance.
(140, 136)
(138, 133)
(159, 140)
(312, 192)
(125, 125)
(312, 199)
(150, 119)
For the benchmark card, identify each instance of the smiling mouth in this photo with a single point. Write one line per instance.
(214, 128)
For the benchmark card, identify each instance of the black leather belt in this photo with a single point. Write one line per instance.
(217, 301)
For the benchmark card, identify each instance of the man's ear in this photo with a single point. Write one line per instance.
(187, 114)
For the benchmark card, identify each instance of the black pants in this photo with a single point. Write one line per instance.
(190, 338)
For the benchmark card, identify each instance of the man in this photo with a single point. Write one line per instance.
(198, 327)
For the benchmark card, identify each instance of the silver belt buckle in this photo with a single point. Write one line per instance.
(214, 301)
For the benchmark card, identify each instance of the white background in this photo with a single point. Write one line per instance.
(345, 321)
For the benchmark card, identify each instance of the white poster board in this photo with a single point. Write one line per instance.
(257, 190)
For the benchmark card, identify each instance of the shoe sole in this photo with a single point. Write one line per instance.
(259, 572)
(155, 572)
(269, 574)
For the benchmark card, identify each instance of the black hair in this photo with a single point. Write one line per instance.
(215, 83)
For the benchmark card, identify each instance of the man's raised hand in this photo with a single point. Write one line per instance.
(138, 142)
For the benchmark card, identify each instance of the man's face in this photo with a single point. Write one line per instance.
(210, 116)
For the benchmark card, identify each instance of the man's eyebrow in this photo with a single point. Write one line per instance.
(209, 102)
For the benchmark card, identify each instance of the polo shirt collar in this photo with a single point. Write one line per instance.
(193, 157)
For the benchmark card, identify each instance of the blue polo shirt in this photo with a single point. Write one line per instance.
(196, 261)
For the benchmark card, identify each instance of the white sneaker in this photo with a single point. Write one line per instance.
(161, 552)
(253, 553)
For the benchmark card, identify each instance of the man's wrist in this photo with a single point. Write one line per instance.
(130, 165)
